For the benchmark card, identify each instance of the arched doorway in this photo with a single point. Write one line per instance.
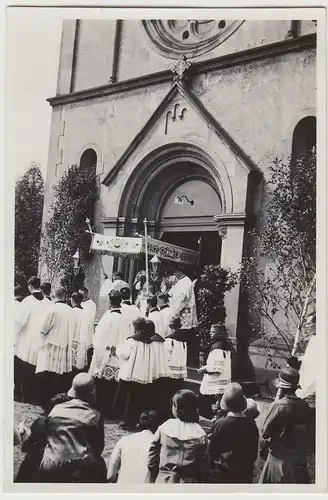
(179, 190)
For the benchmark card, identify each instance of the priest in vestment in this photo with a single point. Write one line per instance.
(129, 310)
(153, 313)
(54, 359)
(81, 336)
(91, 310)
(183, 304)
(166, 312)
(27, 327)
(112, 329)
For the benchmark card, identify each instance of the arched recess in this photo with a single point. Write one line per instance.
(304, 137)
(160, 172)
(88, 158)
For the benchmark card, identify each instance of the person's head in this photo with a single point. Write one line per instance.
(84, 292)
(117, 276)
(252, 410)
(150, 327)
(175, 324)
(59, 293)
(185, 406)
(115, 299)
(76, 299)
(218, 331)
(148, 420)
(151, 301)
(179, 271)
(83, 387)
(288, 380)
(139, 325)
(55, 400)
(46, 289)
(18, 292)
(233, 398)
(34, 284)
(162, 299)
(125, 293)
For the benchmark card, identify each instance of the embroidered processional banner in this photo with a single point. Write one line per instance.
(134, 247)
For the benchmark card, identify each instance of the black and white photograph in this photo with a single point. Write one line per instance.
(162, 304)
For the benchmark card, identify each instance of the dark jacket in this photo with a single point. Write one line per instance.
(33, 447)
(233, 450)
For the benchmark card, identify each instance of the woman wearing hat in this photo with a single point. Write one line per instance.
(217, 371)
(234, 441)
(287, 426)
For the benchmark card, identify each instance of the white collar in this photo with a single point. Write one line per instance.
(233, 414)
(184, 431)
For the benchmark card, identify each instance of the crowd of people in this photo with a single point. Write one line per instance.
(133, 367)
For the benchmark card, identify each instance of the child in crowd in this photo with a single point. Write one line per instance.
(217, 371)
(178, 452)
(160, 372)
(135, 374)
(234, 440)
(129, 460)
(36, 442)
(176, 345)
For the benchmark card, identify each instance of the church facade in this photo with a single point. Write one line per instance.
(182, 119)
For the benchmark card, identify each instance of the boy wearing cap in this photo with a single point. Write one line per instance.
(288, 427)
(234, 441)
(217, 371)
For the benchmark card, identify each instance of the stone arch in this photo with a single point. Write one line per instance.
(157, 175)
(88, 157)
(304, 136)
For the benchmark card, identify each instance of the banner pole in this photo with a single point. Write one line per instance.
(146, 255)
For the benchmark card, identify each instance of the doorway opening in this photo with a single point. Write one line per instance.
(210, 244)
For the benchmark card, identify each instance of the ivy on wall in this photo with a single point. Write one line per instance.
(64, 232)
(212, 285)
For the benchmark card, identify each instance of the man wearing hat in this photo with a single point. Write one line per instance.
(75, 438)
(288, 427)
(234, 441)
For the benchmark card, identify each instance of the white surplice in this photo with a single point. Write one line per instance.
(218, 365)
(156, 317)
(57, 332)
(166, 315)
(131, 313)
(135, 361)
(82, 338)
(183, 303)
(159, 360)
(177, 358)
(113, 329)
(27, 328)
(91, 307)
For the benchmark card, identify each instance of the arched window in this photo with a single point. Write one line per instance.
(304, 137)
(88, 158)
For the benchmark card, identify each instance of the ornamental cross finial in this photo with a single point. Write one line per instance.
(180, 68)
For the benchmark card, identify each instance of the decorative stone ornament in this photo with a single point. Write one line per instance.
(180, 69)
(172, 38)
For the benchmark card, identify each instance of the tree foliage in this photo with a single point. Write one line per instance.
(280, 270)
(64, 232)
(214, 282)
(29, 196)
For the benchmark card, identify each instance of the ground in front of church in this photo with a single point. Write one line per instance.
(113, 432)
